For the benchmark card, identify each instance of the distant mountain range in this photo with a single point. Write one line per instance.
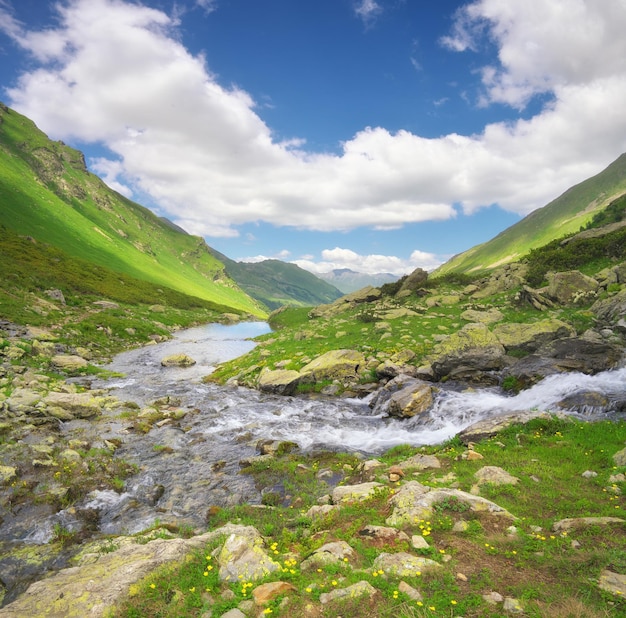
(47, 193)
(348, 280)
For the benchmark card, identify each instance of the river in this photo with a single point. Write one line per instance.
(187, 467)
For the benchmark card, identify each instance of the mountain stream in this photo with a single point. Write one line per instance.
(186, 469)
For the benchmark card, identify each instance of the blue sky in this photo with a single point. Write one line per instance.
(378, 135)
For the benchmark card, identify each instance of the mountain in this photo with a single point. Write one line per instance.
(276, 283)
(47, 193)
(564, 215)
(348, 280)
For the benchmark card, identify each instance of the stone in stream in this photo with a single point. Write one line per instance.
(178, 360)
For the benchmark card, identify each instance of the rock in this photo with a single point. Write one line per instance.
(571, 287)
(22, 400)
(243, 556)
(177, 360)
(74, 405)
(69, 362)
(416, 501)
(610, 310)
(421, 462)
(495, 476)
(512, 606)
(106, 304)
(321, 510)
(265, 593)
(492, 426)
(570, 523)
(93, 589)
(589, 474)
(419, 542)
(362, 588)
(334, 365)
(529, 337)
(620, 457)
(367, 294)
(586, 402)
(275, 447)
(384, 534)
(534, 298)
(7, 474)
(493, 598)
(490, 316)
(473, 456)
(56, 295)
(410, 592)
(414, 281)
(231, 613)
(402, 564)
(346, 494)
(582, 354)
(279, 381)
(416, 398)
(330, 553)
(614, 583)
(471, 350)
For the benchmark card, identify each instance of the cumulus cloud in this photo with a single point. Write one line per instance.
(116, 73)
(338, 257)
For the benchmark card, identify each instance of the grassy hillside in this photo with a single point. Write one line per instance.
(47, 193)
(564, 215)
(277, 283)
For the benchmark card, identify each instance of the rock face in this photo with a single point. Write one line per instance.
(468, 352)
(414, 281)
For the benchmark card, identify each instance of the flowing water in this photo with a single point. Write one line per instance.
(186, 469)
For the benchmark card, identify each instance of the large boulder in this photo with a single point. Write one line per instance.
(279, 381)
(334, 365)
(467, 353)
(413, 399)
(414, 501)
(571, 286)
(529, 337)
(72, 405)
(610, 310)
(69, 362)
(243, 557)
(178, 360)
(414, 281)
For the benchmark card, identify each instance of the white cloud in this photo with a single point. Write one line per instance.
(332, 259)
(367, 10)
(116, 72)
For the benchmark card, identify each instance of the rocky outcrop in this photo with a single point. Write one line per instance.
(365, 295)
(492, 426)
(529, 337)
(468, 352)
(415, 398)
(413, 282)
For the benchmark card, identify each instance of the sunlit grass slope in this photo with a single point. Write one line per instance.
(46, 192)
(564, 215)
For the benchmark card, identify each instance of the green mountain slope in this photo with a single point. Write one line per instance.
(277, 283)
(564, 215)
(46, 192)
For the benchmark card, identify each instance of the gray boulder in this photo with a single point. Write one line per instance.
(571, 286)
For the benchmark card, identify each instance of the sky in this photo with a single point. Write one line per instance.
(376, 135)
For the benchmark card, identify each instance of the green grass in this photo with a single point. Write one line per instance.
(47, 194)
(536, 566)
